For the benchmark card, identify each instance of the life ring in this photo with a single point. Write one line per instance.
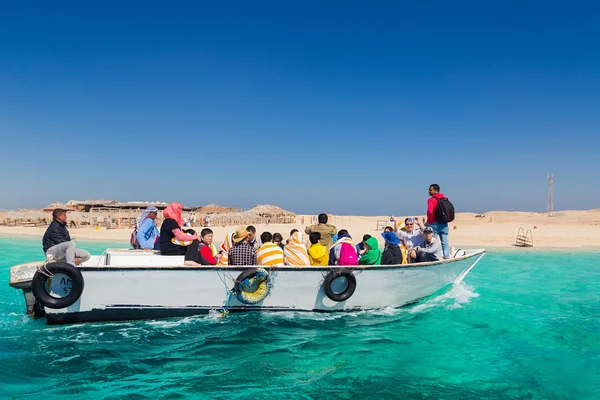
(331, 277)
(66, 280)
(252, 277)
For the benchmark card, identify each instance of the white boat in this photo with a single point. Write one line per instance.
(130, 284)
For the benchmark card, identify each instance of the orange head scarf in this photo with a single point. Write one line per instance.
(173, 211)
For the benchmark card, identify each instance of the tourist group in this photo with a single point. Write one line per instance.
(415, 241)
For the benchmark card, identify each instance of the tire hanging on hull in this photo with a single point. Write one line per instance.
(252, 277)
(331, 277)
(68, 275)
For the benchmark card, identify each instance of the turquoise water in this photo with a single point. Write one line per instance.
(525, 325)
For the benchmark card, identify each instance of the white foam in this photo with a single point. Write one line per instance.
(454, 298)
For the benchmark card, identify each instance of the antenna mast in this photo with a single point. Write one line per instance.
(550, 199)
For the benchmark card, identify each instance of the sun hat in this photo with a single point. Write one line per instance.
(428, 230)
(390, 237)
(240, 234)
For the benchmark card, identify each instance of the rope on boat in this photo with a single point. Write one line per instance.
(44, 270)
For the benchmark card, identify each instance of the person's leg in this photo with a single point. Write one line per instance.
(425, 257)
(443, 234)
(82, 255)
(63, 251)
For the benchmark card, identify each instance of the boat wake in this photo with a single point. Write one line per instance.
(455, 297)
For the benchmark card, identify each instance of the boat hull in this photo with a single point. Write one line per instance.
(132, 292)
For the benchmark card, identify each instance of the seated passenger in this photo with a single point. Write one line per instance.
(225, 248)
(343, 251)
(295, 251)
(291, 234)
(254, 242)
(207, 254)
(171, 229)
(392, 255)
(411, 235)
(317, 253)
(146, 232)
(242, 253)
(269, 253)
(57, 243)
(360, 248)
(278, 240)
(372, 255)
(432, 251)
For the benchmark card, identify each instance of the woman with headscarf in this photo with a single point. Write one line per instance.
(171, 229)
(146, 230)
(225, 248)
(372, 255)
(295, 251)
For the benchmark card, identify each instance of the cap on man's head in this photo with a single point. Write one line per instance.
(428, 230)
(411, 219)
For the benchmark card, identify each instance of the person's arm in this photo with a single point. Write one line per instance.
(434, 248)
(183, 237)
(308, 230)
(395, 223)
(333, 230)
(207, 254)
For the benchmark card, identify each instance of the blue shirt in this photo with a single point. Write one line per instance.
(147, 234)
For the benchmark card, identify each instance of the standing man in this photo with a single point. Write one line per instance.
(57, 243)
(327, 231)
(440, 229)
(252, 239)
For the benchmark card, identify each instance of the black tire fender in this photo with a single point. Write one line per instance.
(38, 285)
(332, 276)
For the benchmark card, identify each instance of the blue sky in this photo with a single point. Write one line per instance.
(342, 106)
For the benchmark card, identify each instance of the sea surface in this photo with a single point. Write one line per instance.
(524, 325)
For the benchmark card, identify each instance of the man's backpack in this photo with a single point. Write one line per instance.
(133, 239)
(444, 211)
(348, 255)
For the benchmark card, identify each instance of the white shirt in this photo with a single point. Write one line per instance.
(413, 239)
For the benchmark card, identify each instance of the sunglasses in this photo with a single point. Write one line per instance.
(411, 224)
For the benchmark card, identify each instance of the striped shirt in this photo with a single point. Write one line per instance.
(269, 254)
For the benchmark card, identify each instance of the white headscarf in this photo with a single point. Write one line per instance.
(145, 213)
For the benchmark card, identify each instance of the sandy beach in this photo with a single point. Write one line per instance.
(497, 229)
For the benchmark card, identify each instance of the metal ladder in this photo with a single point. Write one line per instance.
(524, 239)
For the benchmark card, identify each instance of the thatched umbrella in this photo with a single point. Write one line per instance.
(214, 209)
(58, 204)
(271, 211)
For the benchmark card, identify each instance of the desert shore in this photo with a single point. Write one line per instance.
(497, 229)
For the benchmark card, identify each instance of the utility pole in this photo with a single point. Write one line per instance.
(550, 199)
